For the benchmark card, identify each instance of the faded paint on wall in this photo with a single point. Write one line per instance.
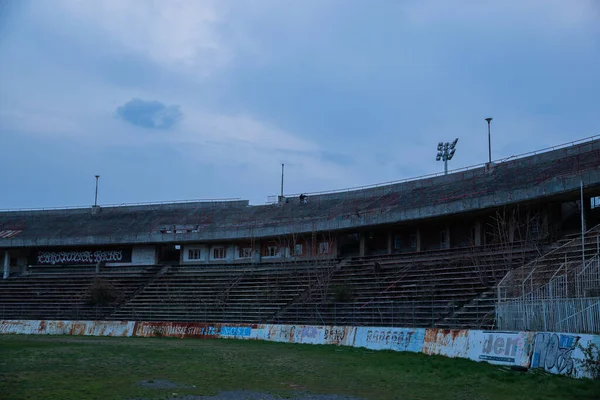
(447, 342)
(502, 348)
(295, 334)
(79, 328)
(23, 327)
(398, 339)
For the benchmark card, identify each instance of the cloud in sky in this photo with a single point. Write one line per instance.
(149, 114)
(344, 92)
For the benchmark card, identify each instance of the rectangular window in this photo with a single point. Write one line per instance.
(219, 253)
(413, 241)
(194, 254)
(397, 242)
(244, 252)
(271, 251)
(443, 239)
(324, 248)
(297, 250)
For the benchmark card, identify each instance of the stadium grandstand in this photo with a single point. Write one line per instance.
(491, 246)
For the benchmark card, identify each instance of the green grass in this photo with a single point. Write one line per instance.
(68, 367)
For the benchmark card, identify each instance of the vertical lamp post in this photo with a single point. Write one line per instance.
(281, 196)
(96, 198)
(489, 121)
(446, 152)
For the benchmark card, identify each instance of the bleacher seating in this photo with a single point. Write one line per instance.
(62, 293)
(224, 293)
(420, 289)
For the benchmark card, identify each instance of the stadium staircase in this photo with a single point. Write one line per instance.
(67, 293)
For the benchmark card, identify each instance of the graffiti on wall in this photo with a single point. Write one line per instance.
(399, 339)
(294, 333)
(87, 328)
(340, 335)
(81, 257)
(191, 330)
(554, 352)
(505, 348)
(557, 353)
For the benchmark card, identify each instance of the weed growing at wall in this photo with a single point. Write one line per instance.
(591, 361)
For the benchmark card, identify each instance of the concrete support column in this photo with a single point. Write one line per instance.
(418, 239)
(6, 265)
(389, 242)
(448, 239)
(477, 233)
(362, 244)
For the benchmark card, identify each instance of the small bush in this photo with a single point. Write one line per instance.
(102, 293)
(591, 362)
(342, 293)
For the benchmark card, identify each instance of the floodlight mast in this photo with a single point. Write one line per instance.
(489, 121)
(446, 152)
(96, 196)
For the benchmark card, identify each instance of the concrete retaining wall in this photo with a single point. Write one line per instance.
(557, 353)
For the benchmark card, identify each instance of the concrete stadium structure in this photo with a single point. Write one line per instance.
(386, 249)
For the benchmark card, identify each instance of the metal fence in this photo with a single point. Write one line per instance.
(568, 301)
(581, 315)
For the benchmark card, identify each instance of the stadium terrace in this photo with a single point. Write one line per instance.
(436, 251)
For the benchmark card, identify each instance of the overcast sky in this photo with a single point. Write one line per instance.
(172, 100)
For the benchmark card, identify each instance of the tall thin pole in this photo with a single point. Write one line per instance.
(282, 182)
(96, 198)
(445, 166)
(582, 228)
(489, 121)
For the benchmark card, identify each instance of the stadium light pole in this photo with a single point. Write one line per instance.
(446, 152)
(282, 165)
(489, 121)
(96, 197)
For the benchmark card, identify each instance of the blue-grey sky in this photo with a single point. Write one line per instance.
(174, 99)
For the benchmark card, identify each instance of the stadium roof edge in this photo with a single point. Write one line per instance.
(146, 205)
(240, 202)
(458, 170)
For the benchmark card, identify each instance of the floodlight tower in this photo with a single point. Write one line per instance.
(446, 152)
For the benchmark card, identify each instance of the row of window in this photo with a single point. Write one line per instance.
(220, 253)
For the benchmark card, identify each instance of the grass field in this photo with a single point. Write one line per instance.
(68, 367)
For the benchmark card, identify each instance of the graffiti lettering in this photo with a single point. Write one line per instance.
(553, 352)
(389, 337)
(79, 257)
(335, 334)
(236, 331)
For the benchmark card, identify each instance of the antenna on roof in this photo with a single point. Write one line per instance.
(446, 153)
(96, 198)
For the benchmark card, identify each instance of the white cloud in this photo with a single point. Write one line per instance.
(176, 33)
